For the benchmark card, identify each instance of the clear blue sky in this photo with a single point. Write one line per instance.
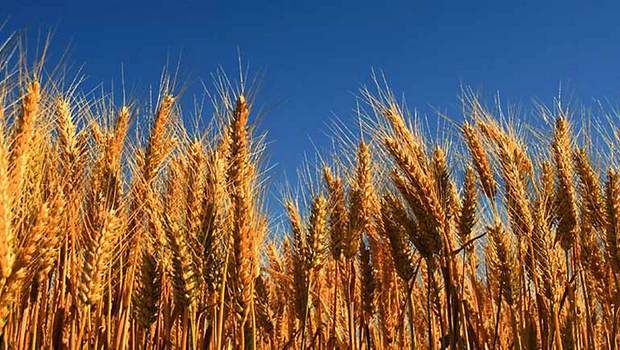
(316, 53)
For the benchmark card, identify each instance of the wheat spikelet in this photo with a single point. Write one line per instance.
(369, 284)
(417, 188)
(612, 199)
(394, 115)
(420, 181)
(517, 199)
(66, 129)
(174, 199)
(215, 225)
(395, 231)
(567, 207)
(590, 189)
(22, 137)
(597, 266)
(157, 232)
(25, 256)
(363, 203)
(443, 183)
(388, 306)
(50, 243)
(113, 178)
(502, 263)
(158, 145)
(245, 239)
(339, 218)
(120, 133)
(300, 277)
(480, 160)
(541, 254)
(299, 236)
(422, 234)
(467, 218)
(317, 232)
(263, 306)
(185, 276)
(97, 134)
(547, 191)
(98, 253)
(148, 291)
(195, 186)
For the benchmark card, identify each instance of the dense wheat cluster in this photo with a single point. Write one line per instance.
(120, 228)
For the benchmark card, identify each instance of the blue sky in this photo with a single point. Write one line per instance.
(316, 54)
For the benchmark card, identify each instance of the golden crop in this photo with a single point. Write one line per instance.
(158, 239)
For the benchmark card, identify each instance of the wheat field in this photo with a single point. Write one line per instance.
(123, 228)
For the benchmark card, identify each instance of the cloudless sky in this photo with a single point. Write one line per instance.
(316, 54)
